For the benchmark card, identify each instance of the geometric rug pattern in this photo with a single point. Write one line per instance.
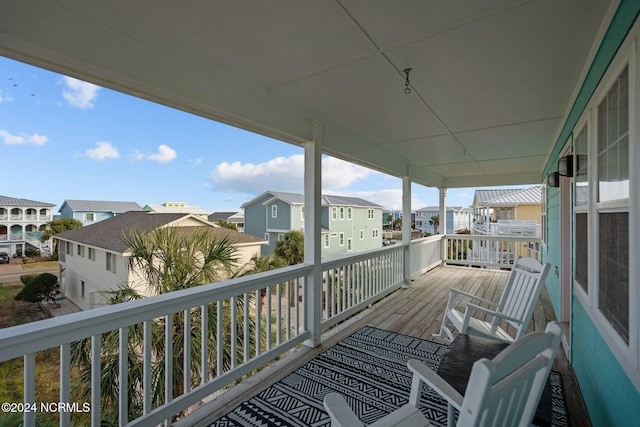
(369, 368)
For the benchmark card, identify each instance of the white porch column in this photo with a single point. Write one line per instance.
(406, 230)
(312, 234)
(443, 211)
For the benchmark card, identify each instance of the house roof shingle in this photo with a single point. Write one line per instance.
(327, 200)
(107, 234)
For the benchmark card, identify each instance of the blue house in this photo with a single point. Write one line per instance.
(91, 211)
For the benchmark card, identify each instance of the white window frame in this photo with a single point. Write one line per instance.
(274, 211)
(341, 239)
(89, 217)
(375, 233)
(628, 355)
(334, 213)
(349, 245)
(361, 234)
(82, 289)
(302, 213)
(349, 214)
(266, 237)
(370, 214)
(110, 262)
(280, 237)
(341, 213)
(327, 240)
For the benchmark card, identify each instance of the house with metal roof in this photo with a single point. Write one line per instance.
(95, 257)
(508, 211)
(91, 211)
(348, 224)
(236, 218)
(21, 224)
(177, 207)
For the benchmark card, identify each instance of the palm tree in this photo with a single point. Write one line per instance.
(291, 247)
(58, 226)
(168, 260)
(435, 221)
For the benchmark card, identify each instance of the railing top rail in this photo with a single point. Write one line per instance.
(428, 239)
(359, 256)
(494, 238)
(33, 337)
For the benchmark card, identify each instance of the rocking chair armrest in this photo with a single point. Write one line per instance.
(339, 411)
(436, 382)
(490, 312)
(471, 296)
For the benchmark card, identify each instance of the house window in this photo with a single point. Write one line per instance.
(361, 234)
(111, 262)
(369, 213)
(374, 233)
(92, 254)
(280, 237)
(341, 213)
(341, 239)
(274, 211)
(327, 240)
(613, 205)
(349, 244)
(88, 217)
(334, 213)
(82, 289)
(69, 248)
(349, 213)
(80, 250)
(266, 237)
(581, 212)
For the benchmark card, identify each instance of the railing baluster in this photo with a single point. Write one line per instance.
(278, 312)
(96, 375)
(146, 365)
(234, 326)
(186, 342)
(204, 344)
(168, 361)
(65, 382)
(29, 417)
(258, 322)
(123, 375)
(268, 316)
(219, 339)
(288, 305)
(246, 328)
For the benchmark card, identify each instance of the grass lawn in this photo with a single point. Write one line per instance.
(13, 313)
(42, 264)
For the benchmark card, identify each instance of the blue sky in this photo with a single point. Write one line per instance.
(61, 138)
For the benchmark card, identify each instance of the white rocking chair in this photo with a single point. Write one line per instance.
(502, 391)
(516, 306)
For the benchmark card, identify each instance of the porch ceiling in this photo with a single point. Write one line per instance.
(490, 85)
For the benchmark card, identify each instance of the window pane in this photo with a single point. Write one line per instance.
(613, 142)
(581, 259)
(613, 290)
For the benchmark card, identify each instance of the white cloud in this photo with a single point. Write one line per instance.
(5, 98)
(103, 151)
(136, 155)
(284, 174)
(80, 94)
(22, 138)
(164, 155)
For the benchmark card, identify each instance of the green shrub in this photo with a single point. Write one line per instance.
(44, 286)
(26, 278)
(32, 252)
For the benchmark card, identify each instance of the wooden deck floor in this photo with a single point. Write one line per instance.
(416, 311)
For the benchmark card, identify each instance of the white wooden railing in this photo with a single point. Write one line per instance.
(251, 321)
(489, 251)
(426, 254)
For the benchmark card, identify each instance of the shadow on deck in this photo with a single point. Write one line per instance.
(416, 311)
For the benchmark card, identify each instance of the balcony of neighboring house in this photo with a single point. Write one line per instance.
(252, 330)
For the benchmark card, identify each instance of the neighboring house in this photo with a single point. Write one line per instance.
(508, 211)
(349, 224)
(236, 218)
(91, 211)
(177, 207)
(21, 224)
(95, 258)
(458, 218)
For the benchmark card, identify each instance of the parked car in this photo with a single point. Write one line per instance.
(4, 257)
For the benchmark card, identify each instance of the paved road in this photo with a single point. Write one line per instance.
(11, 272)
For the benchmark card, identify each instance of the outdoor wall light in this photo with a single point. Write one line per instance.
(553, 179)
(565, 166)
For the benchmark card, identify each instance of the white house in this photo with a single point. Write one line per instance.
(21, 223)
(94, 258)
(458, 218)
(177, 207)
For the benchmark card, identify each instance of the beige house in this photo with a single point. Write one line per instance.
(94, 259)
(508, 211)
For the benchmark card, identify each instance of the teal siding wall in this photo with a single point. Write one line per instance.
(283, 218)
(610, 397)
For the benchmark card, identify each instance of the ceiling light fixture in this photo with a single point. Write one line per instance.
(406, 72)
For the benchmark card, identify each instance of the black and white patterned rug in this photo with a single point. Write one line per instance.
(370, 369)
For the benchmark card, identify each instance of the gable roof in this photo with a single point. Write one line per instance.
(528, 196)
(107, 234)
(100, 206)
(12, 201)
(217, 216)
(328, 200)
(482, 196)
